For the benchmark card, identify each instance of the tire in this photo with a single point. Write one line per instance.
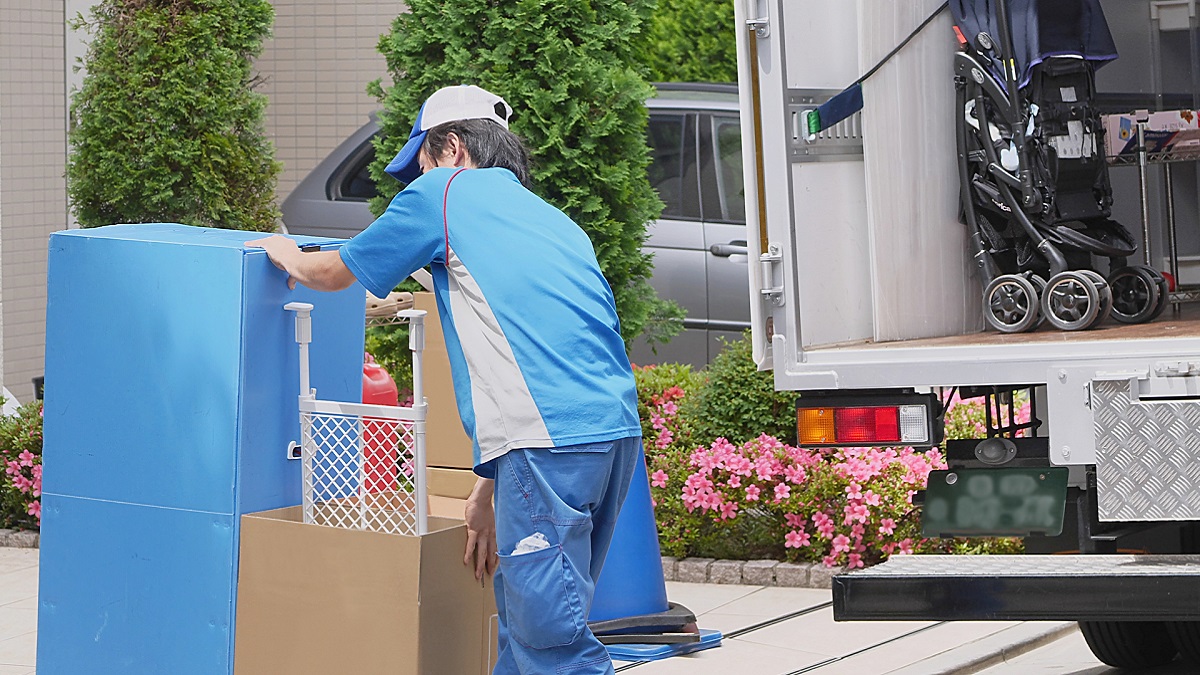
(1071, 301)
(1106, 297)
(1129, 644)
(1010, 304)
(1186, 636)
(1135, 294)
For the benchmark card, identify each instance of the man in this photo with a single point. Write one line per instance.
(543, 385)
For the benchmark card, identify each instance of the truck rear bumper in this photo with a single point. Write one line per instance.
(1022, 588)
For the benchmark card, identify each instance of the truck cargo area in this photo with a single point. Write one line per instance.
(1022, 588)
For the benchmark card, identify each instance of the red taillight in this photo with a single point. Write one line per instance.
(867, 425)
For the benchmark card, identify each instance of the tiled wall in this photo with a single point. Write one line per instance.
(317, 66)
(32, 190)
(316, 70)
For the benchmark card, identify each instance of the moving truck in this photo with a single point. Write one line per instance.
(865, 302)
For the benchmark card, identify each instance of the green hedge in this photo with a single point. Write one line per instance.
(166, 126)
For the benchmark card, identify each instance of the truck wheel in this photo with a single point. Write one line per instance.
(1186, 636)
(1129, 644)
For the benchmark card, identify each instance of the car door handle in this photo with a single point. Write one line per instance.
(736, 247)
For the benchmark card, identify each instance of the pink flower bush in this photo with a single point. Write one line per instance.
(847, 507)
(765, 499)
(21, 455)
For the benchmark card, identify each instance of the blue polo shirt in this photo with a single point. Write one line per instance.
(530, 322)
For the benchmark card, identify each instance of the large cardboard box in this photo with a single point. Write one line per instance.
(454, 483)
(315, 600)
(446, 444)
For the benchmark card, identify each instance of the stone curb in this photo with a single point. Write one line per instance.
(995, 649)
(749, 572)
(19, 539)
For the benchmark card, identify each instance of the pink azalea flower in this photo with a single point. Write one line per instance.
(782, 492)
(752, 493)
(659, 479)
(841, 544)
(728, 510)
(793, 520)
(871, 498)
(26, 458)
(735, 481)
(887, 526)
(796, 539)
(854, 560)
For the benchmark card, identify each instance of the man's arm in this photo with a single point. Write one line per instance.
(320, 270)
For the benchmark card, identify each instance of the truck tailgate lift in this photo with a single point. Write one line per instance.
(1022, 588)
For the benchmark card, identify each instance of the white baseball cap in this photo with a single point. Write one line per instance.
(448, 104)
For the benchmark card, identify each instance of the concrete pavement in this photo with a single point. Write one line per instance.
(769, 631)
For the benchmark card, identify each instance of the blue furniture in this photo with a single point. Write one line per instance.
(171, 385)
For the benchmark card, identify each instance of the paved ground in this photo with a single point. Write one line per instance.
(18, 610)
(770, 631)
(1069, 655)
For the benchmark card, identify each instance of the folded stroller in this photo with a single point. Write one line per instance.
(1034, 182)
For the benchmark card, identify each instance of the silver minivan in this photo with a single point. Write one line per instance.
(698, 244)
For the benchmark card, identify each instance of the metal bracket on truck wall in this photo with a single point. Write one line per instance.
(841, 142)
(771, 261)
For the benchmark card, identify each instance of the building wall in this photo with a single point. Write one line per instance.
(32, 189)
(317, 67)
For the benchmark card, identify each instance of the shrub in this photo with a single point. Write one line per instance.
(764, 499)
(568, 71)
(21, 453)
(166, 126)
(738, 402)
(690, 41)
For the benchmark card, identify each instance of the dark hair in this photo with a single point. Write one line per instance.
(488, 144)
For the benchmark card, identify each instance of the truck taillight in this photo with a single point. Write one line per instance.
(895, 419)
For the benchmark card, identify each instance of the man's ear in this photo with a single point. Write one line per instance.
(456, 150)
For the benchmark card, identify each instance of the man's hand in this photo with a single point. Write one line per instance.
(481, 530)
(281, 251)
(319, 270)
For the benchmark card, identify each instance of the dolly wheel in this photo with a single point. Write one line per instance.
(1071, 301)
(1106, 296)
(1010, 304)
(1136, 293)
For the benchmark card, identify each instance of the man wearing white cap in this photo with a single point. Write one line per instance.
(542, 381)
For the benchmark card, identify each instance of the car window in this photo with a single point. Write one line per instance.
(352, 181)
(727, 133)
(673, 171)
(721, 181)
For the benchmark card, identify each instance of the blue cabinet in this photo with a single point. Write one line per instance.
(171, 386)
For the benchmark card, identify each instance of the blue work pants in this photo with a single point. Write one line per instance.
(572, 496)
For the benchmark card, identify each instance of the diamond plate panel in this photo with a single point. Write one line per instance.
(1147, 455)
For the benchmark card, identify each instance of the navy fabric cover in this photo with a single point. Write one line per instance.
(1041, 29)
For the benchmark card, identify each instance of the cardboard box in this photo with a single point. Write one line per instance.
(1166, 131)
(454, 483)
(446, 444)
(315, 600)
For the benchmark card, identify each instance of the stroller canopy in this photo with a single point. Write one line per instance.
(1040, 29)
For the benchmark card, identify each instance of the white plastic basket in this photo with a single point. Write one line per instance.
(363, 465)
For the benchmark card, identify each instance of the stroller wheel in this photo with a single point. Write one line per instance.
(1071, 301)
(1010, 304)
(1106, 296)
(1136, 294)
(1164, 294)
(1039, 285)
